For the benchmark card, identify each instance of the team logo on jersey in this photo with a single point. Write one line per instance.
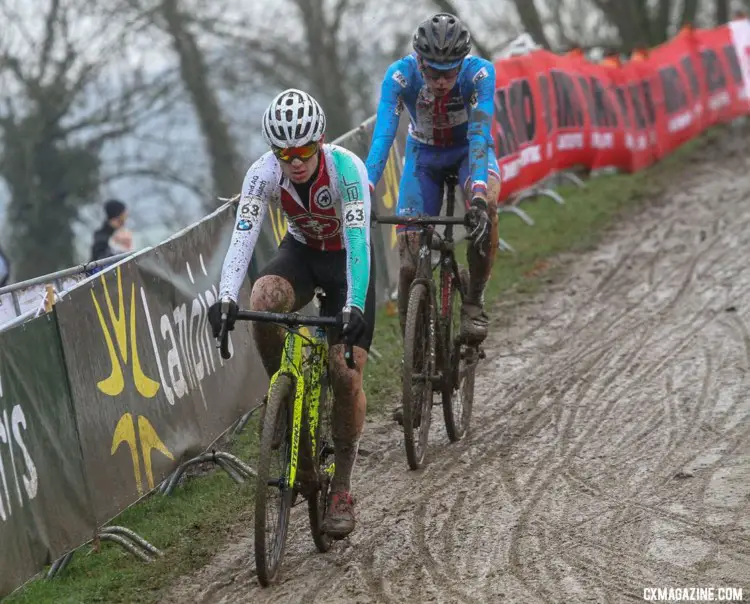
(323, 198)
(244, 225)
(480, 75)
(399, 77)
(315, 226)
(473, 101)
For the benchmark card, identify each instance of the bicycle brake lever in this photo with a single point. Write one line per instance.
(223, 339)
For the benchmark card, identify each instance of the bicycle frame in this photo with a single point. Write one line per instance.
(445, 246)
(447, 263)
(293, 364)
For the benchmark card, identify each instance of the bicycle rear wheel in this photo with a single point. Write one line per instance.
(273, 497)
(323, 457)
(458, 361)
(417, 384)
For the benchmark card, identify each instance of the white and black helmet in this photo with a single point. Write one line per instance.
(293, 119)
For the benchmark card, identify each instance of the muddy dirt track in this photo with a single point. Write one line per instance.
(611, 437)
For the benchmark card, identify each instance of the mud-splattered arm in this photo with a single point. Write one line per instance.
(479, 134)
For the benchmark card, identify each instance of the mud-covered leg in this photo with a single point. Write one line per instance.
(474, 320)
(349, 407)
(273, 294)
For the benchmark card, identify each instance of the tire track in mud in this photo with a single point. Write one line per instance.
(585, 413)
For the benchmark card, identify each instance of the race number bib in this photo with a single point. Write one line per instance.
(354, 215)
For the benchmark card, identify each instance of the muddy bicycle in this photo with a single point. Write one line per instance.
(297, 431)
(435, 358)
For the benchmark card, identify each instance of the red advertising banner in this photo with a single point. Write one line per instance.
(555, 112)
(723, 83)
(521, 124)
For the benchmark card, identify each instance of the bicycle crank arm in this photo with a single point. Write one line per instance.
(473, 352)
(435, 378)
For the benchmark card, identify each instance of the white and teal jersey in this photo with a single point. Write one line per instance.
(335, 216)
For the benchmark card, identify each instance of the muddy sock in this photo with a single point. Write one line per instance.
(345, 456)
(475, 295)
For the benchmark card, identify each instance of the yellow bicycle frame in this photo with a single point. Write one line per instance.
(306, 374)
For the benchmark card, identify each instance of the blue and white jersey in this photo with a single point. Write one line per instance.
(462, 117)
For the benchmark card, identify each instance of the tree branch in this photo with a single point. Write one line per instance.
(722, 12)
(531, 22)
(50, 30)
(447, 6)
(689, 9)
(338, 14)
(158, 173)
(660, 29)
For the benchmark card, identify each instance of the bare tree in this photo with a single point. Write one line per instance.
(479, 46)
(64, 100)
(722, 11)
(225, 161)
(689, 10)
(176, 22)
(335, 49)
(532, 23)
(578, 24)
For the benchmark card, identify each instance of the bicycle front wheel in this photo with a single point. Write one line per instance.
(458, 362)
(273, 497)
(323, 457)
(417, 384)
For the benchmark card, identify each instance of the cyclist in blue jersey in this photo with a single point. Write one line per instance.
(322, 190)
(449, 96)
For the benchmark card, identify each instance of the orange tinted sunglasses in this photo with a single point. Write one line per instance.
(289, 154)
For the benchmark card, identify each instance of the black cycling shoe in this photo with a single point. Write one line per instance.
(474, 323)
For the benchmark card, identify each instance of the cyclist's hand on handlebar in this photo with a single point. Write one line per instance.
(353, 325)
(478, 222)
(215, 315)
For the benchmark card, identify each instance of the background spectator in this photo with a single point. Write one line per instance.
(112, 238)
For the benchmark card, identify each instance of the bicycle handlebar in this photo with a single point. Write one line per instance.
(288, 319)
(291, 319)
(419, 220)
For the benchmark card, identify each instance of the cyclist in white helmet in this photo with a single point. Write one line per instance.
(322, 189)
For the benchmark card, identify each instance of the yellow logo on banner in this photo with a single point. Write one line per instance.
(121, 327)
(149, 441)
